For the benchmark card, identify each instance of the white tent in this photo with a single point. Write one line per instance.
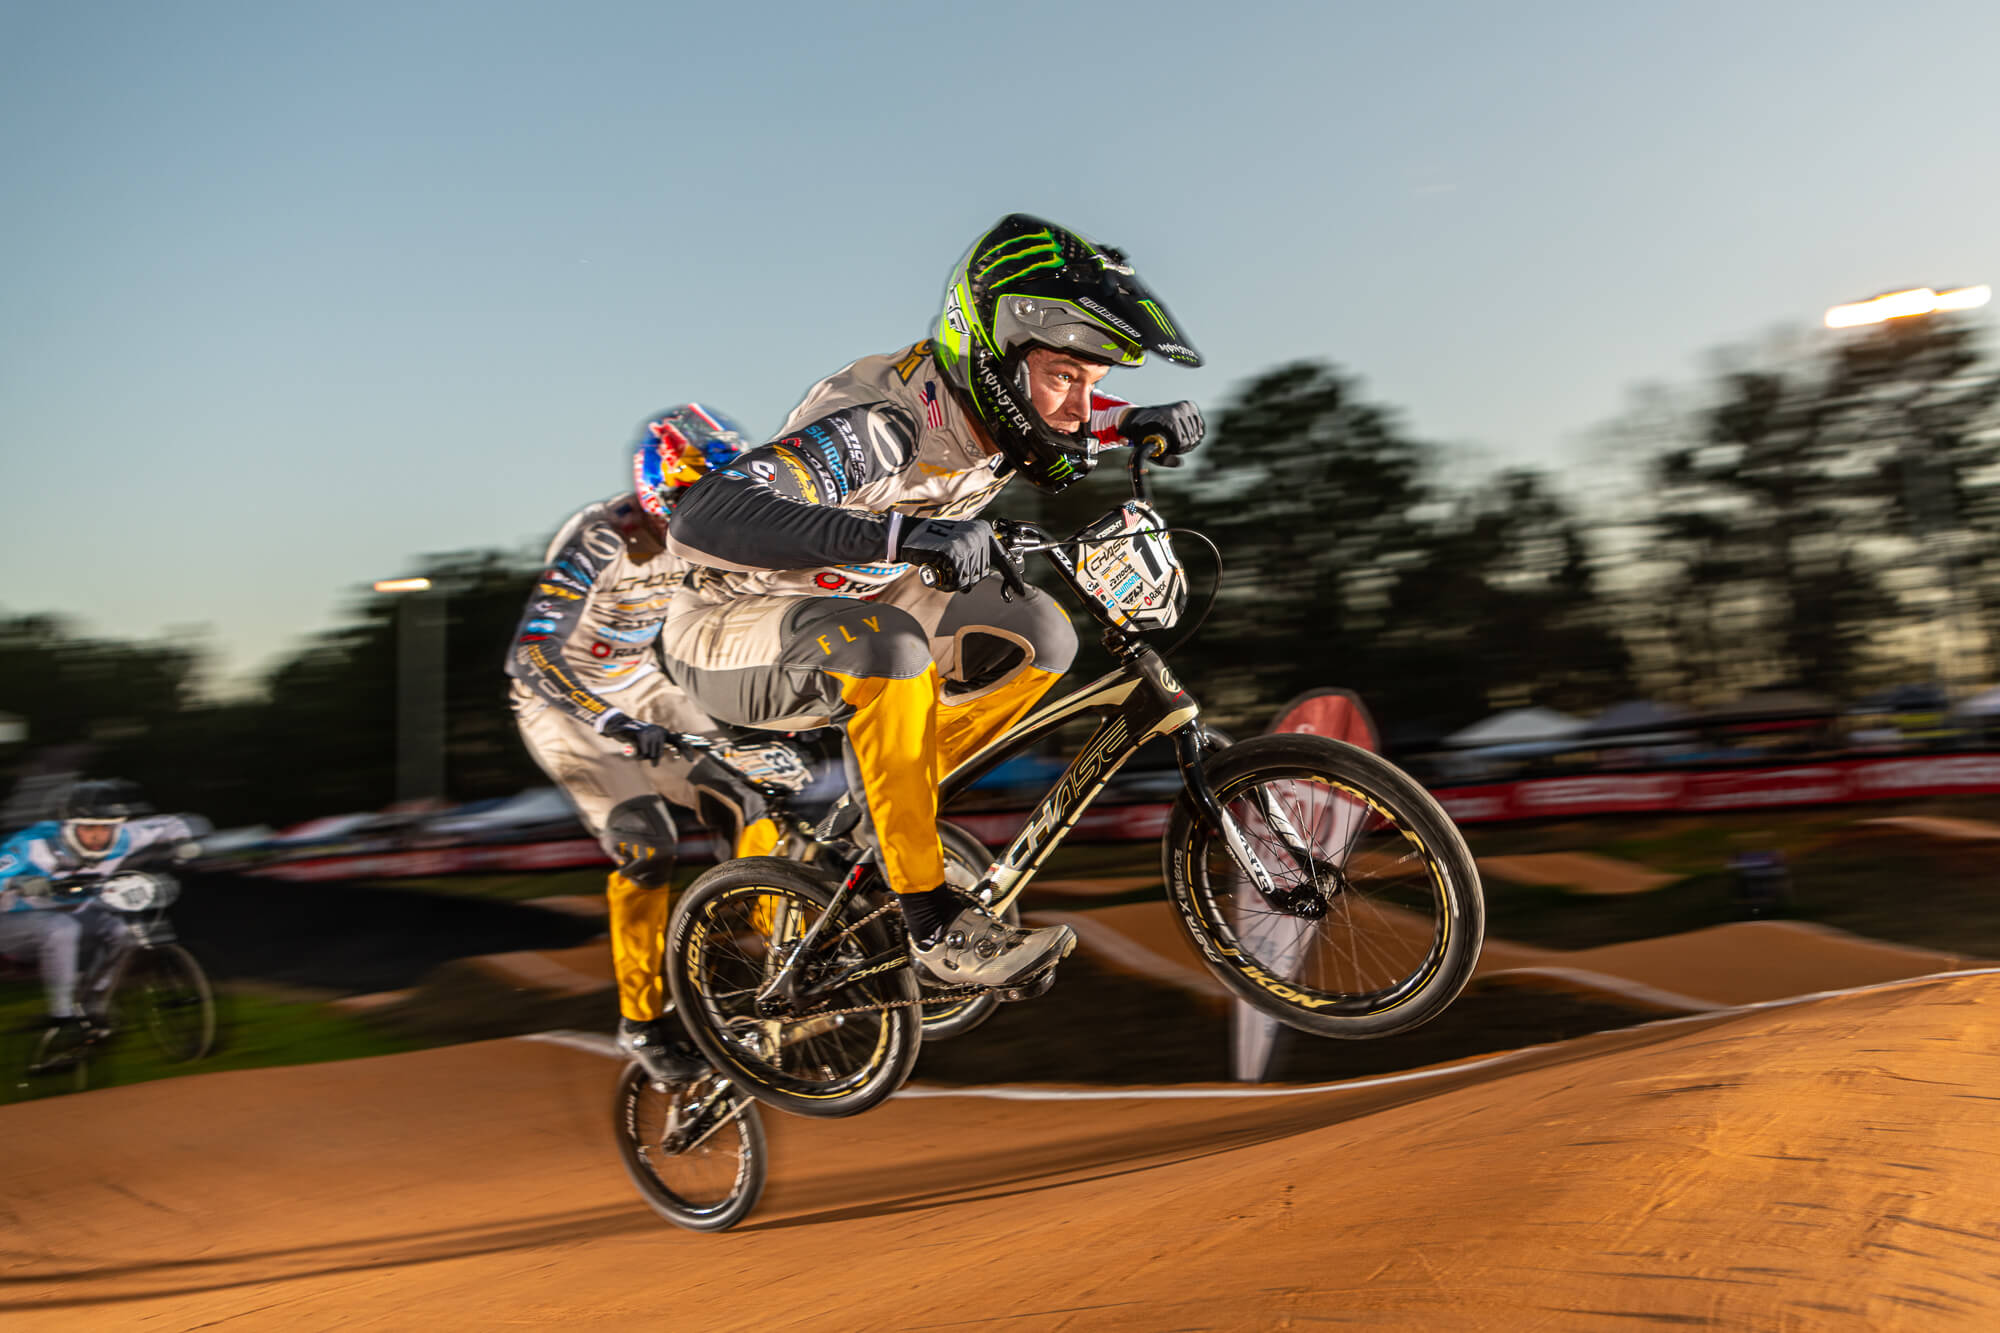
(1517, 726)
(1982, 705)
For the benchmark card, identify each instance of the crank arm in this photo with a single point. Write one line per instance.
(699, 1113)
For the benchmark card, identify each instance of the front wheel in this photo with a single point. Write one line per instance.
(1360, 914)
(165, 992)
(838, 1054)
(694, 1151)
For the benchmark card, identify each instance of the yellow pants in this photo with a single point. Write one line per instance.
(639, 931)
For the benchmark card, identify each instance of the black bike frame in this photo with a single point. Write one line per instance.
(1140, 700)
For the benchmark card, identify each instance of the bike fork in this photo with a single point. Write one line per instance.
(1188, 747)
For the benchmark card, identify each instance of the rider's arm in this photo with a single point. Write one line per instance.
(27, 862)
(155, 830)
(551, 621)
(780, 505)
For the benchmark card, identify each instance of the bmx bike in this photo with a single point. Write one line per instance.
(1315, 880)
(149, 982)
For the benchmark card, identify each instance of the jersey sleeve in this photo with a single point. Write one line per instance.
(26, 853)
(780, 505)
(539, 656)
(1106, 411)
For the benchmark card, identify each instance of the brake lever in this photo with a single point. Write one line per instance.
(1012, 585)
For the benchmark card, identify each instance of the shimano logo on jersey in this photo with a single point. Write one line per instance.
(1110, 318)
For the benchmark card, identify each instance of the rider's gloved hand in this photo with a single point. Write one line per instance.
(958, 551)
(648, 741)
(1172, 428)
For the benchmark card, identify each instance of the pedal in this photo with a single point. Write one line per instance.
(1027, 990)
(838, 822)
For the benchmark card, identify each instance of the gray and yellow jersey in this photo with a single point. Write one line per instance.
(817, 512)
(588, 632)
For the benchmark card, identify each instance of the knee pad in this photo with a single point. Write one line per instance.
(641, 838)
(983, 660)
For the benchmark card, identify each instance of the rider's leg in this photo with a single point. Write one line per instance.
(57, 951)
(641, 836)
(789, 663)
(997, 658)
(792, 662)
(602, 781)
(106, 939)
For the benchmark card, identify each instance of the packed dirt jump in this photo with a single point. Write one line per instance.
(1826, 1162)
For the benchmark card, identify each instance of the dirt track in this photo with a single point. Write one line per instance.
(1826, 1164)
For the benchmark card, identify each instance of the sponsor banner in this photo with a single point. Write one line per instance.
(1828, 783)
(1599, 792)
(1831, 783)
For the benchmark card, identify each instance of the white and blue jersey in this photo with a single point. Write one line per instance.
(39, 850)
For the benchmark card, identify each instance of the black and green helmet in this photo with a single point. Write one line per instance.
(1029, 283)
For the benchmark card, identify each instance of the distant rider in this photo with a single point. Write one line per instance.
(807, 608)
(102, 826)
(589, 698)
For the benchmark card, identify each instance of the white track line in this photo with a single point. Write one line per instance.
(599, 1045)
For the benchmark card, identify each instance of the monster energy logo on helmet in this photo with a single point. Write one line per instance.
(1029, 283)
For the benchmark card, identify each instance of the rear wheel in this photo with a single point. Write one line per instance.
(165, 992)
(836, 1055)
(694, 1150)
(1370, 917)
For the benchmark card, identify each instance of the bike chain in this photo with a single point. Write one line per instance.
(850, 931)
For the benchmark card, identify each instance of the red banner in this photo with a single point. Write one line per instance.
(1831, 783)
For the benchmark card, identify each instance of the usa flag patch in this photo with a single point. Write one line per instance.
(933, 410)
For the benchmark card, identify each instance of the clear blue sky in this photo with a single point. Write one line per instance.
(291, 294)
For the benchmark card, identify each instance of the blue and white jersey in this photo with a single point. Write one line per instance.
(39, 850)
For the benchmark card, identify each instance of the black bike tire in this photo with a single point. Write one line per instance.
(1185, 851)
(172, 958)
(752, 1161)
(954, 1018)
(903, 1029)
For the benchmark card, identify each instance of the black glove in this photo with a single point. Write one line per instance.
(648, 741)
(958, 551)
(1165, 432)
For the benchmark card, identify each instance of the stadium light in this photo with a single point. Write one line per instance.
(1900, 305)
(419, 689)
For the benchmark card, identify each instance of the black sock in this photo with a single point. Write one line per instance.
(926, 915)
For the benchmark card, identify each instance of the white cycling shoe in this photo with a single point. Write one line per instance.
(977, 949)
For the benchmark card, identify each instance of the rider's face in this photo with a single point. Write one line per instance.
(1059, 387)
(94, 836)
